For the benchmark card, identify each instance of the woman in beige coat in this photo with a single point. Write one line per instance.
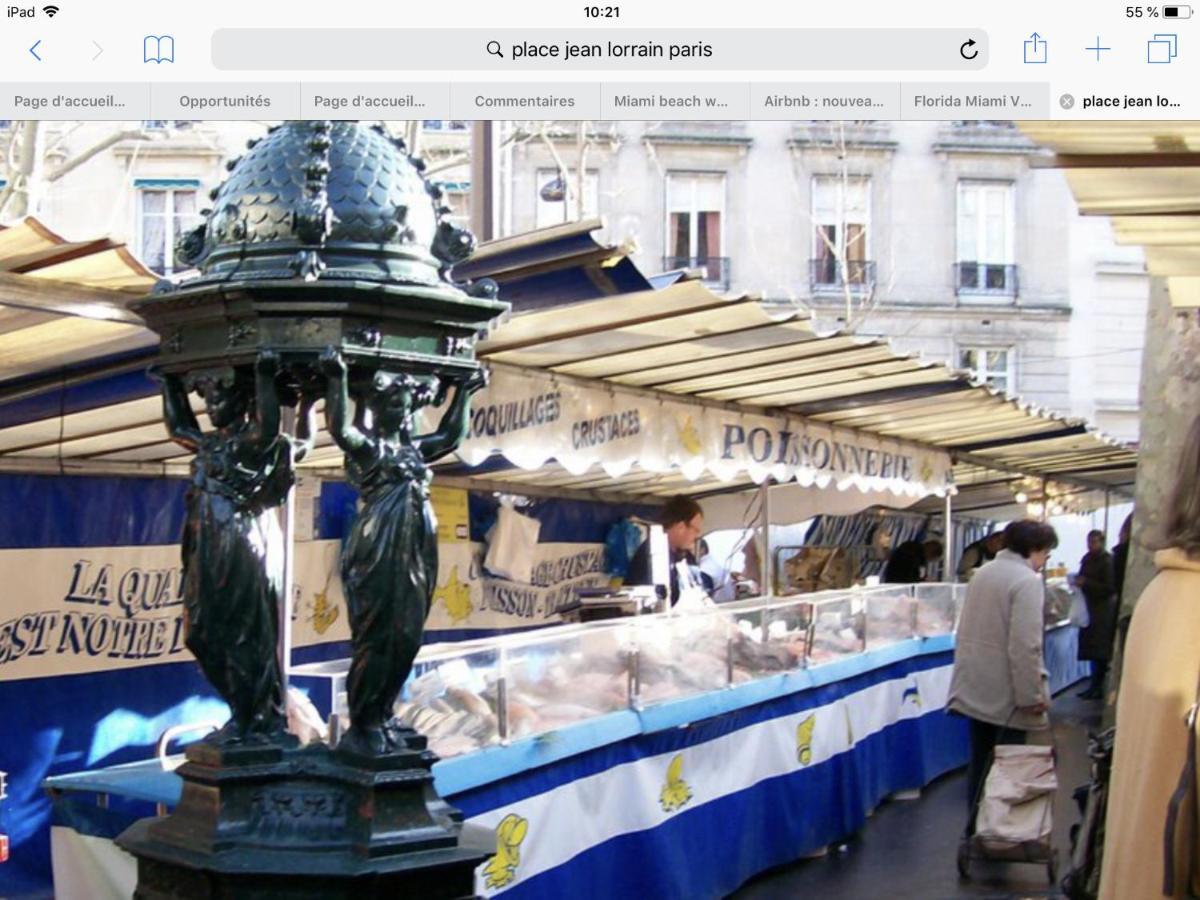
(999, 680)
(1158, 687)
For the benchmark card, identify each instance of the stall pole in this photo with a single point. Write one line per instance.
(1107, 495)
(768, 584)
(1045, 501)
(483, 199)
(287, 520)
(948, 537)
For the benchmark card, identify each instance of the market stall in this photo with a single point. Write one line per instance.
(653, 391)
(606, 757)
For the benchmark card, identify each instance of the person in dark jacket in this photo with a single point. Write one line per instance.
(909, 563)
(683, 521)
(1096, 580)
(1120, 557)
(982, 551)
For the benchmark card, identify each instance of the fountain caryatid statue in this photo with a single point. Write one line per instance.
(322, 270)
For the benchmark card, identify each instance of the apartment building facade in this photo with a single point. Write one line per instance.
(946, 237)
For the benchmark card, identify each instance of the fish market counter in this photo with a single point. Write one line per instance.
(672, 755)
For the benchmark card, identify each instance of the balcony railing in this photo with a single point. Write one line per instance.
(715, 268)
(829, 274)
(986, 279)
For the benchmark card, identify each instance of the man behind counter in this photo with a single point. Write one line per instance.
(683, 521)
(910, 562)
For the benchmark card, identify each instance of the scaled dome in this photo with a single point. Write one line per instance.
(326, 200)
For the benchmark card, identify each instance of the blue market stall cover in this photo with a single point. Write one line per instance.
(688, 799)
(739, 792)
(69, 722)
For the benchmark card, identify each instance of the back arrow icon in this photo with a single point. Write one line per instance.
(99, 50)
(33, 49)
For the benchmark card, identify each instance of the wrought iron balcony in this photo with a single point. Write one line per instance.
(715, 268)
(986, 279)
(830, 275)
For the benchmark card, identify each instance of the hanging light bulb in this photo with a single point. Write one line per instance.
(1056, 510)
(1022, 497)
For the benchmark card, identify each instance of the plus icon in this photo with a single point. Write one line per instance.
(1096, 49)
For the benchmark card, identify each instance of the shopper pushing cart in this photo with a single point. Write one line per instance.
(999, 682)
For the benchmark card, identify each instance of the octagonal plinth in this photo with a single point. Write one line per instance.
(301, 824)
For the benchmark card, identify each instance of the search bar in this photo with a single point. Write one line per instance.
(550, 49)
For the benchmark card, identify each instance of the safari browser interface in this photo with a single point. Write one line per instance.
(986, 187)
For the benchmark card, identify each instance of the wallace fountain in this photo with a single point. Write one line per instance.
(322, 272)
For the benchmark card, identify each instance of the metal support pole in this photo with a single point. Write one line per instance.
(1045, 501)
(768, 576)
(948, 538)
(1106, 503)
(483, 186)
(287, 521)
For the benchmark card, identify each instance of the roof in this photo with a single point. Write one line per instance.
(1146, 176)
(64, 302)
(678, 341)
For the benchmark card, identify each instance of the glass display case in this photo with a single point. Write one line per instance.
(555, 680)
(453, 697)
(891, 614)
(839, 627)
(476, 694)
(938, 607)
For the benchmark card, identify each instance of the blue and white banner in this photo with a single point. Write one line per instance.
(106, 608)
(645, 795)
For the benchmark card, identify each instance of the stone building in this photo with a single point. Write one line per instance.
(943, 236)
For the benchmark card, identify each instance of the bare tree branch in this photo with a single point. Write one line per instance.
(130, 134)
(66, 133)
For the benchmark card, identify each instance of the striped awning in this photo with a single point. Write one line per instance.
(65, 302)
(680, 341)
(1146, 177)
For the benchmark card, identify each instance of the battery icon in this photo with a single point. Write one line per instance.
(1177, 12)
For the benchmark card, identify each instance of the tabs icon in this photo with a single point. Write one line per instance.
(1162, 48)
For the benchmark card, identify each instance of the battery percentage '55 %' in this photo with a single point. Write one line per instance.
(1155, 12)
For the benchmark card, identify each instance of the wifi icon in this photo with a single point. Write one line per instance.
(50, 10)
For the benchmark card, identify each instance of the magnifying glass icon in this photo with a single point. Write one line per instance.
(493, 47)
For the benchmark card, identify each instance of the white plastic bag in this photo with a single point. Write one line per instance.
(1078, 614)
(1018, 795)
(511, 545)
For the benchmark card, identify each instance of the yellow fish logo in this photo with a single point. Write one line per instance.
(675, 793)
(323, 613)
(689, 438)
(457, 597)
(501, 869)
(804, 736)
(926, 470)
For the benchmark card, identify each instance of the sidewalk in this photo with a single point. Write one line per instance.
(907, 849)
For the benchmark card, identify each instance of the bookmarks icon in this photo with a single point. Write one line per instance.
(158, 48)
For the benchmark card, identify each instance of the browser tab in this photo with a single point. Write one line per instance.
(683, 100)
(509, 100)
(816, 100)
(974, 100)
(91, 102)
(361, 100)
(252, 100)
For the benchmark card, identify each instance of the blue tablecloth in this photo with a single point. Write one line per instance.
(1062, 662)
